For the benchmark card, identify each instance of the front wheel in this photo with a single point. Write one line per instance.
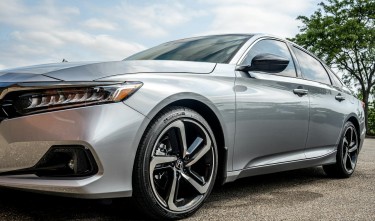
(347, 154)
(176, 165)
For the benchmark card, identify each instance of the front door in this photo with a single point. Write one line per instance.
(272, 113)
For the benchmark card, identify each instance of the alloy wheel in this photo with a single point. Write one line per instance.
(182, 165)
(350, 149)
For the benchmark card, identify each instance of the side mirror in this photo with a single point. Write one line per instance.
(268, 63)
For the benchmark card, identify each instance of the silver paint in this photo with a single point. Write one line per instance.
(109, 130)
(267, 128)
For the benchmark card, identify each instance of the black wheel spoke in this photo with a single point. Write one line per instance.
(345, 159)
(198, 153)
(174, 141)
(177, 187)
(197, 176)
(345, 141)
(172, 192)
(202, 189)
(180, 136)
(351, 164)
(156, 160)
(197, 156)
(353, 148)
(345, 152)
(163, 167)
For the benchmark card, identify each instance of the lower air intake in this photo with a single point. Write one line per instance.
(62, 161)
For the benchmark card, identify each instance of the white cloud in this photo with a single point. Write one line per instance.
(46, 32)
(154, 20)
(95, 23)
(70, 10)
(103, 45)
(41, 16)
(275, 6)
(73, 45)
(8, 8)
(266, 16)
(46, 38)
(113, 48)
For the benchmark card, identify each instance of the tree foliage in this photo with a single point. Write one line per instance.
(342, 33)
(371, 120)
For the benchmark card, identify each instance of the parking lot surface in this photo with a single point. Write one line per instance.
(305, 194)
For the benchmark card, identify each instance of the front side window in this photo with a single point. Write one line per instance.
(272, 47)
(311, 68)
(216, 49)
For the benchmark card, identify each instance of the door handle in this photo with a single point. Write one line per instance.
(339, 97)
(300, 91)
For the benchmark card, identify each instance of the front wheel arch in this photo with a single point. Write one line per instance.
(210, 113)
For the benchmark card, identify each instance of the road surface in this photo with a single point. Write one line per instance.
(305, 194)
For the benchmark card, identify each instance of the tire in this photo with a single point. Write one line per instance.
(175, 171)
(347, 154)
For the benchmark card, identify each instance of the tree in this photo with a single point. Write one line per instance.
(342, 33)
(371, 119)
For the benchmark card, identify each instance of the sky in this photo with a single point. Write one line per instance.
(48, 31)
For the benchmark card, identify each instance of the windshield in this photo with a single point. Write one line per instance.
(216, 49)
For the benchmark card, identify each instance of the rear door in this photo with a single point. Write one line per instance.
(271, 119)
(328, 104)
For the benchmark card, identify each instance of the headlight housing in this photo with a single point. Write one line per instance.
(32, 98)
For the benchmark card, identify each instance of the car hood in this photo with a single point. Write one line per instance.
(90, 71)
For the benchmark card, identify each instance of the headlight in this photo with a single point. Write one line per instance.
(29, 98)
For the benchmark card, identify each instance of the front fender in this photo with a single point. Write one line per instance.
(161, 90)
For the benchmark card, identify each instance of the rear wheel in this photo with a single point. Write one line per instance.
(176, 165)
(347, 154)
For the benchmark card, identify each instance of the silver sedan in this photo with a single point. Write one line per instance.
(163, 125)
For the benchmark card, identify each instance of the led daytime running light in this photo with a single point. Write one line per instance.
(41, 100)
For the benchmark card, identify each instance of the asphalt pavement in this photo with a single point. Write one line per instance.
(305, 194)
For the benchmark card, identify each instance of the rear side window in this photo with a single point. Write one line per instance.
(272, 47)
(335, 80)
(311, 68)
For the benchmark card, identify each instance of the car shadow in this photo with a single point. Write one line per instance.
(267, 189)
(20, 205)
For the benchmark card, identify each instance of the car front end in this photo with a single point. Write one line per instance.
(73, 129)
(69, 138)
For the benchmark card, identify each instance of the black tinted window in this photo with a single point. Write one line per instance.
(335, 80)
(311, 68)
(217, 49)
(272, 47)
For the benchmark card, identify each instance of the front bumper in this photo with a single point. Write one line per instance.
(111, 132)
